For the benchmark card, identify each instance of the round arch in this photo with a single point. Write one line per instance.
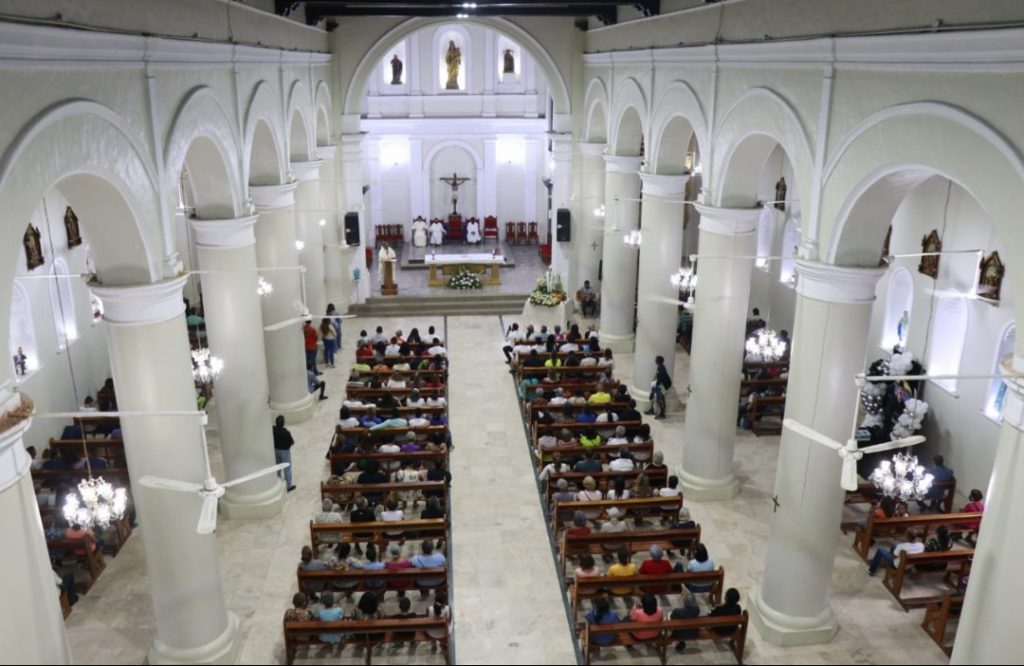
(677, 115)
(628, 130)
(300, 140)
(322, 108)
(368, 63)
(595, 106)
(262, 160)
(478, 163)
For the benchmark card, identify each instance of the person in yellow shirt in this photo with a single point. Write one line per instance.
(590, 439)
(600, 396)
(625, 568)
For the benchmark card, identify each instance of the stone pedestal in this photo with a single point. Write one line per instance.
(618, 286)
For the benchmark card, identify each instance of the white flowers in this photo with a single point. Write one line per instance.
(465, 279)
(909, 421)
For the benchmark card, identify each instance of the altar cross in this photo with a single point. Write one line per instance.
(454, 183)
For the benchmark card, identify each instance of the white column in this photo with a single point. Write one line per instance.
(561, 191)
(309, 214)
(716, 359)
(532, 184)
(618, 286)
(335, 282)
(275, 249)
(352, 201)
(989, 630)
(489, 206)
(31, 622)
(227, 249)
(660, 252)
(833, 310)
(152, 368)
(417, 195)
(587, 228)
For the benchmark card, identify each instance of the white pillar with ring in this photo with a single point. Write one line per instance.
(587, 227)
(336, 282)
(618, 282)
(308, 218)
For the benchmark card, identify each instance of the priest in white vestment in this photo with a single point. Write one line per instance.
(419, 232)
(386, 253)
(473, 232)
(436, 232)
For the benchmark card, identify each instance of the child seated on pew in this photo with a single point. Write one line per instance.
(602, 613)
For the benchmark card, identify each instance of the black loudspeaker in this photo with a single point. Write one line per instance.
(352, 228)
(563, 227)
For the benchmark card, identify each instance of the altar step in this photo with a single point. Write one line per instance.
(466, 305)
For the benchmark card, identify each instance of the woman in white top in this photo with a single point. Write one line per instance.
(391, 447)
(346, 420)
(606, 360)
(613, 526)
(396, 381)
(418, 421)
(588, 362)
(439, 609)
(590, 493)
(556, 466)
(392, 514)
(407, 475)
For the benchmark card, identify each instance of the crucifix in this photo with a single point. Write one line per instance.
(593, 246)
(454, 183)
(775, 501)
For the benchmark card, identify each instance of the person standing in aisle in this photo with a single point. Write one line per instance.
(283, 443)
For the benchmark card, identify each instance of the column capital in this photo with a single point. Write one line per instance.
(14, 461)
(327, 153)
(660, 185)
(228, 234)
(1013, 405)
(837, 284)
(273, 196)
(141, 304)
(590, 149)
(622, 163)
(728, 221)
(306, 171)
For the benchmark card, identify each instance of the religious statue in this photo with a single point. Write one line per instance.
(780, 194)
(396, 70)
(454, 182)
(71, 227)
(453, 59)
(509, 62)
(885, 247)
(902, 326)
(419, 232)
(990, 279)
(931, 246)
(33, 248)
(20, 362)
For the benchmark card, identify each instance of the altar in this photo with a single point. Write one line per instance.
(449, 264)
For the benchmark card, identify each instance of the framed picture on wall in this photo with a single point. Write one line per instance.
(990, 277)
(71, 227)
(931, 245)
(33, 248)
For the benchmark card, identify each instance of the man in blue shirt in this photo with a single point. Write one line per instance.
(586, 416)
(370, 418)
(939, 473)
(394, 421)
(429, 559)
(315, 383)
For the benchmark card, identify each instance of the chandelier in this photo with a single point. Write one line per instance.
(263, 288)
(766, 345)
(599, 211)
(902, 478)
(300, 245)
(685, 279)
(205, 368)
(633, 238)
(97, 504)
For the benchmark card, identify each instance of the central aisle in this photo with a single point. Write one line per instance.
(508, 605)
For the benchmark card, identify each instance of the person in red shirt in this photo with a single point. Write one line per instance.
(656, 566)
(579, 525)
(311, 337)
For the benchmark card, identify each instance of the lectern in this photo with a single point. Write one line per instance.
(388, 287)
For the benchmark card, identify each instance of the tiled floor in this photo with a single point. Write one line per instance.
(507, 605)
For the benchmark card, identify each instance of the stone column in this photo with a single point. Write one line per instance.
(989, 631)
(152, 368)
(335, 276)
(716, 358)
(833, 310)
(308, 218)
(31, 622)
(352, 202)
(660, 253)
(227, 259)
(618, 286)
(587, 228)
(561, 191)
(278, 260)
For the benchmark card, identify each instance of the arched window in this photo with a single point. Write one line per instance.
(765, 234)
(790, 243)
(22, 333)
(948, 335)
(996, 395)
(63, 305)
(899, 303)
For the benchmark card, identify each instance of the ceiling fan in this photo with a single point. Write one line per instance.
(210, 490)
(302, 316)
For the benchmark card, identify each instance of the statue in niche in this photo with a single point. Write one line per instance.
(509, 62)
(396, 70)
(990, 280)
(931, 245)
(33, 248)
(780, 194)
(71, 227)
(453, 59)
(885, 247)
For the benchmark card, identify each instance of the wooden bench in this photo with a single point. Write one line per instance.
(575, 409)
(576, 426)
(90, 423)
(877, 528)
(347, 581)
(378, 532)
(593, 587)
(867, 493)
(641, 452)
(760, 406)
(406, 411)
(666, 507)
(368, 634)
(776, 385)
(635, 541)
(579, 388)
(960, 558)
(402, 457)
(51, 477)
(91, 558)
(362, 391)
(605, 480)
(103, 447)
(122, 528)
(704, 626)
(441, 374)
(584, 370)
(347, 492)
(360, 431)
(936, 617)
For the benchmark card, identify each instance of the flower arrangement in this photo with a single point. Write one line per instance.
(549, 291)
(465, 279)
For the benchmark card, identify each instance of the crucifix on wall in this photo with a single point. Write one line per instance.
(454, 183)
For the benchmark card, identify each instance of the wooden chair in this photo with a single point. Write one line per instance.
(490, 228)
(531, 236)
(937, 616)
(544, 250)
(510, 232)
(521, 236)
(455, 229)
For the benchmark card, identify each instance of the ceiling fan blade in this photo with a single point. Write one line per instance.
(810, 433)
(895, 444)
(848, 480)
(208, 515)
(282, 324)
(158, 483)
(254, 475)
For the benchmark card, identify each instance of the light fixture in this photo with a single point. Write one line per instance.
(323, 222)
(766, 346)
(462, 16)
(902, 478)
(205, 367)
(263, 288)
(685, 279)
(633, 238)
(469, 5)
(299, 245)
(599, 211)
(97, 503)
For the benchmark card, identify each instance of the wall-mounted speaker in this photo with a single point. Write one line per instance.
(352, 228)
(563, 226)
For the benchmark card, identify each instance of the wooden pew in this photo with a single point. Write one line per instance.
(89, 423)
(584, 371)
(575, 426)
(362, 391)
(381, 433)
(368, 634)
(104, 448)
(377, 532)
(347, 492)
(937, 616)
(579, 388)
(405, 411)
(635, 541)
(703, 625)
(360, 580)
(122, 528)
(867, 493)
(382, 374)
(92, 559)
(777, 385)
(642, 452)
(960, 558)
(413, 457)
(761, 406)
(605, 480)
(877, 528)
(593, 587)
(667, 507)
(574, 409)
(73, 476)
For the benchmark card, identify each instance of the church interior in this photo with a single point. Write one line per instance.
(516, 332)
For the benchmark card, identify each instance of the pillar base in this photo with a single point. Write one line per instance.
(642, 397)
(617, 343)
(221, 650)
(294, 412)
(708, 490)
(266, 504)
(789, 630)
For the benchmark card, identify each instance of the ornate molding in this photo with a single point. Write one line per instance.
(837, 284)
(622, 163)
(272, 196)
(226, 234)
(728, 221)
(660, 185)
(143, 304)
